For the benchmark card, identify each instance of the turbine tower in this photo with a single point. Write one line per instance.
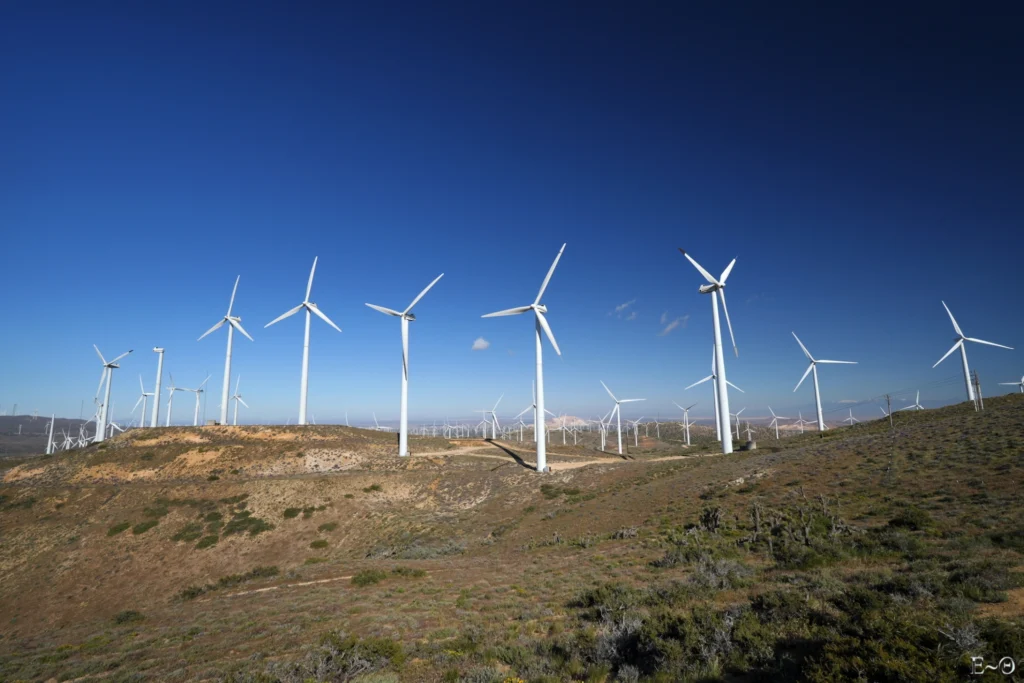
(108, 375)
(310, 307)
(960, 339)
(686, 419)
(234, 323)
(143, 399)
(716, 288)
(541, 322)
(618, 412)
(156, 392)
(197, 392)
(813, 369)
(406, 316)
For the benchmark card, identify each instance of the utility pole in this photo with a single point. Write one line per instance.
(977, 386)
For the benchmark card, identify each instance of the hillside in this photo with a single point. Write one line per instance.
(294, 554)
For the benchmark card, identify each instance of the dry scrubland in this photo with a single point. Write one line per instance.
(280, 554)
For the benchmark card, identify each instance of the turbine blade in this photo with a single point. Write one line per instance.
(237, 382)
(728, 269)
(141, 385)
(632, 400)
(386, 311)
(735, 387)
(309, 287)
(508, 311)
(839, 362)
(806, 352)
(286, 315)
(212, 329)
(547, 279)
(700, 269)
(120, 357)
(691, 406)
(496, 404)
(232, 302)
(547, 331)
(728, 322)
(103, 376)
(955, 347)
(609, 391)
(806, 372)
(136, 405)
(678, 406)
(102, 360)
(238, 326)
(700, 382)
(955, 326)
(416, 300)
(982, 341)
(204, 382)
(320, 314)
(243, 402)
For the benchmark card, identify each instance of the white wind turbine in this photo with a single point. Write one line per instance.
(618, 412)
(405, 316)
(716, 288)
(494, 418)
(737, 416)
(917, 403)
(960, 339)
(539, 310)
(775, 421)
(714, 376)
(234, 323)
(686, 419)
(197, 392)
(108, 375)
(1014, 384)
(852, 420)
(170, 399)
(156, 392)
(813, 369)
(636, 431)
(310, 307)
(237, 398)
(144, 400)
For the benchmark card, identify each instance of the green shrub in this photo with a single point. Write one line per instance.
(156, 512)
(912, 518)
(213, 517)
(329, 526)
(408, 572)
(315, 560)
(350, 495)
(243, 522)
(292, 513)
(373, 487)
(143, 527)
(368, 576)
(318, 544)
(207, 541)
(189, 532)
(118, 528)
(212, 477)
(128, 616)
(235, 499)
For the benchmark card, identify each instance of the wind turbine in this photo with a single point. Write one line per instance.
(197, 392)
(960, 339)
(618, 411)
(107, 374)
(775, 421)
(405, 316)
(539, 310)
(156, 392)
(1014, 384)
(737, 416)
(494, 418)
(716, 288)
(636, 431)
(237, 397)
(813, 369)
(686, 418)
(310, 307)
(234, 323)
(170, 399)
(852, 420)
(143, 399)
(718, 420)
(917, 403)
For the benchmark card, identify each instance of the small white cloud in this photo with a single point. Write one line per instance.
(664, 317)
(621, 307)
(674, 324)
(631, 316)
(480, 344)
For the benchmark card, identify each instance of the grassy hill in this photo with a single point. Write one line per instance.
(297, 554)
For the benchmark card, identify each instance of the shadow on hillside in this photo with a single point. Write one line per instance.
(513, 454)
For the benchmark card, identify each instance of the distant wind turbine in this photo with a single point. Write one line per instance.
(234, 323)
(539, 310)
(310, 307)
(960, 339)
(686, 419)
(775, 421)
(406, 316)
(618, 411)
(714, 376)
(852, 420)
(813, 369)
(917, 404)
(237, 398)
(143, 399)
(108, 374)
(1014, 384)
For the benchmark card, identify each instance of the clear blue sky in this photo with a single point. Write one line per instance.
(861, 164)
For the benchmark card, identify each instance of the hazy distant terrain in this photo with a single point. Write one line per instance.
(294, 554)
(32, 439)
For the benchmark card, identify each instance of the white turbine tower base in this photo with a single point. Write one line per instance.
(406, 316)
(541, 323)
(309, 307)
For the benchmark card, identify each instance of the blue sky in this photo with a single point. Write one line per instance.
(861, 164)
